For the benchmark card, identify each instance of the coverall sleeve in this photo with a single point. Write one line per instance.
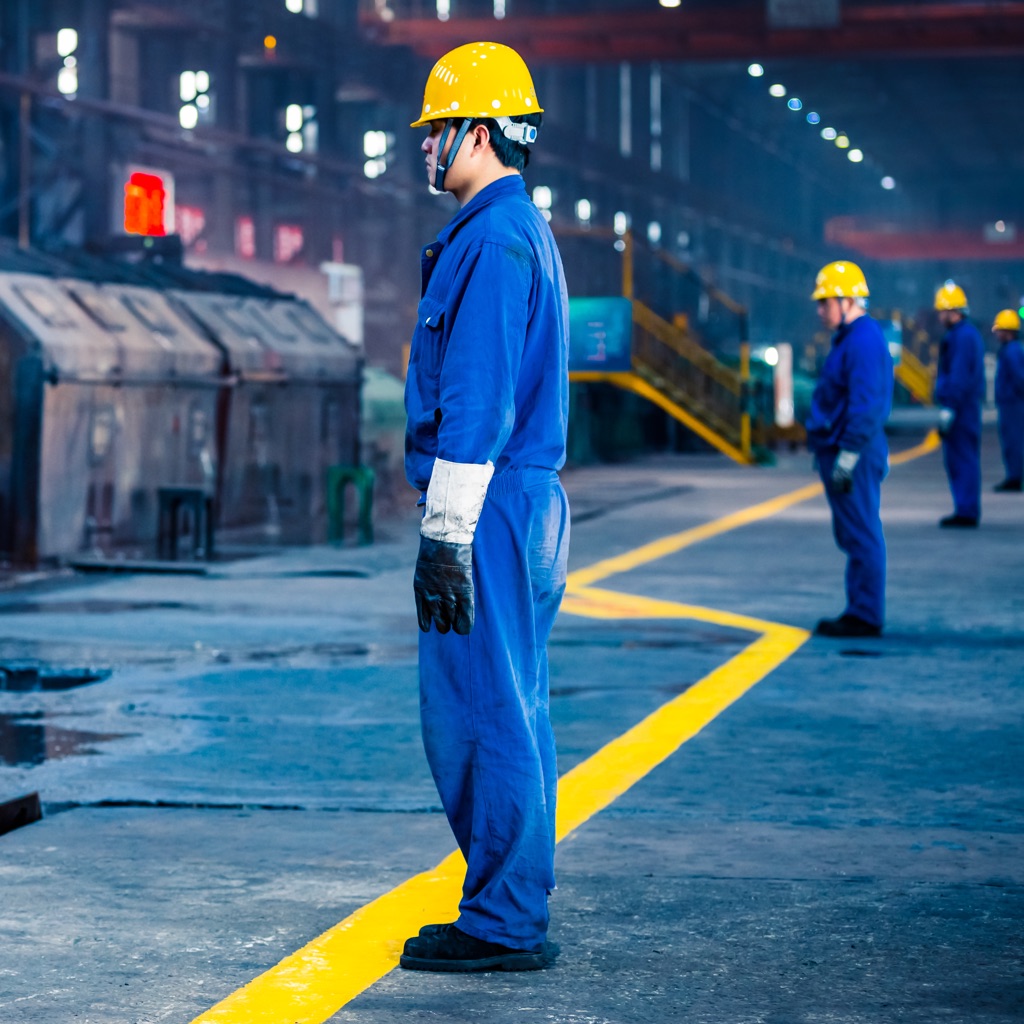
(956, 387)
(867, 396)
(1015, 366)
(484, 349)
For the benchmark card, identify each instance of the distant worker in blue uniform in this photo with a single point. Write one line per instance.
(959, 392)
(487, 402)
(846, 433)
(1010, 397)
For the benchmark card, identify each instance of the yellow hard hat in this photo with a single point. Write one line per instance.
(950, 296)
(841, 280)
(478, 80)
(1007, 320)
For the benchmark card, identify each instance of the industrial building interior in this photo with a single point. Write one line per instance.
(217, 799)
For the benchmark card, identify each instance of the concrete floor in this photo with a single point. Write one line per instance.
(843, 844)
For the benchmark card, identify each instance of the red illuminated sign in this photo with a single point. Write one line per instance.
(144, 199)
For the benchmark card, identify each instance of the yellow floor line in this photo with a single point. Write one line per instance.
(744, 517)
(312, 984)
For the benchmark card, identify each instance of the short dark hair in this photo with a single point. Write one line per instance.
(511, 154)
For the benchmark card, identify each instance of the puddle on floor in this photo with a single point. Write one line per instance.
(34, 677)
(27, 739)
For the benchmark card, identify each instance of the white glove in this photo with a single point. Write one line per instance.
(842, 471)
(946, 417)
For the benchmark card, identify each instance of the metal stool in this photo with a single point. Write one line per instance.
(200, 503)
(338, 478)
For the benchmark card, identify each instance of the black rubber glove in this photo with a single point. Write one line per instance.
(443, 585)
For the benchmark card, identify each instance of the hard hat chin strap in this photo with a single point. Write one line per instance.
(442, 168)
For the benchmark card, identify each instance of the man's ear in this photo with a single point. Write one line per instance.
(481, 137)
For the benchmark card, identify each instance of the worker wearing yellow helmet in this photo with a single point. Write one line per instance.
(487, 402)
(1010, 397)
(959, 391)
(846, 432)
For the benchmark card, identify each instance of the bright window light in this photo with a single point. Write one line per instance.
(294, 6)
(771, 355)
(654, 232)
(1000, 226)
(444, 9)
(621, 223)
(855, 156)
(828, 134)
(375, 143)
(374, 168)
(542, 197)
(583, 209)
(778, 90)
(67, 42)
(67, 81)
(499, 9)
(202, 81)
(293, 117)
(755, 70)
(187, 86)
(203, 102)
(188, 116)
(888, 183)
(294, 143)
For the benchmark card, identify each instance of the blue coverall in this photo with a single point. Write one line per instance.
(960, 386)
(1010, 403)
(849, 407)
(488, 381)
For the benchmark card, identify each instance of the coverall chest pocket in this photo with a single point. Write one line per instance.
(428, 339)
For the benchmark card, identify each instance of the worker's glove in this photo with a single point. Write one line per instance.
(946, 417)
(842, 471)
(443, 585)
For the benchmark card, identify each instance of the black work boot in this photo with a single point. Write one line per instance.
(847, 626)
(447, 948)
(958, 521)
(1009, 485)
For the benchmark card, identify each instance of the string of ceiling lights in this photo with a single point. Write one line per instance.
(828, 133)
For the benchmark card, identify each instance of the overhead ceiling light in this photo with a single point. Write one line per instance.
(855, 156)
(828, 134)
(670, 3)
(842, 141)
(778, 90)
(888, 182)
(755, 70)
(813, 118)
(794, 103)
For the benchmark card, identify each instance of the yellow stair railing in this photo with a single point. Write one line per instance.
(915, 377)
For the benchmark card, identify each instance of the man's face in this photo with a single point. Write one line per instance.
(830, 312)
(948, 317)
(1004, 336)
(429, 147)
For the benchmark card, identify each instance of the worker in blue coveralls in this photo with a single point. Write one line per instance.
(846, 432)
(959, 392)
(1010, 397)
(487, 403)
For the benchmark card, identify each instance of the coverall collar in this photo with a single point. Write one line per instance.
(490, 193)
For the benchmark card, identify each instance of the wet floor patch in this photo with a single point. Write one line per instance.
(35, 677)
(27, 738)
(91, 607)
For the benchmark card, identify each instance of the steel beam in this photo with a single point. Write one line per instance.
(959, 29)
